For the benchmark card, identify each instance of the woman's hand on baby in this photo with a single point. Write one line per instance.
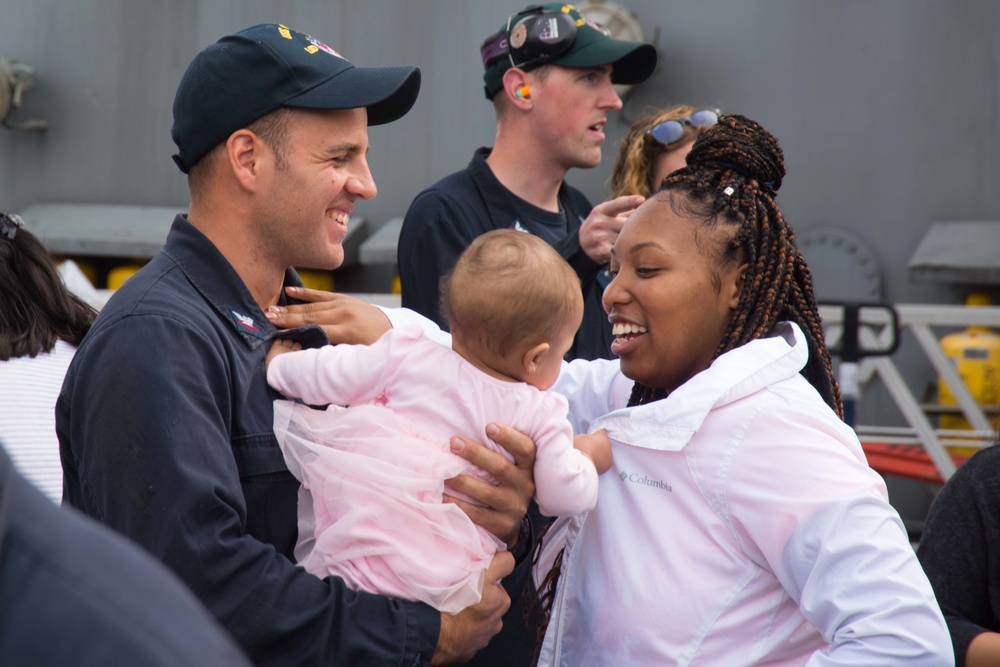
(345, 319)
(504, 505)
(280, 346)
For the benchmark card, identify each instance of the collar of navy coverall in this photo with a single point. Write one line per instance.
(500, 202)
(219, 284)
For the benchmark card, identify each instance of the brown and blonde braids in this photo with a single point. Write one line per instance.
(733, 174)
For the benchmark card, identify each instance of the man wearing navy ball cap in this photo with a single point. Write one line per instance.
(165, 419)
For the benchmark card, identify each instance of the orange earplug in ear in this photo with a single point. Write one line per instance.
(523, 92)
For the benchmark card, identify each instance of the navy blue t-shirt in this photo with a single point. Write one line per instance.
(444, 219)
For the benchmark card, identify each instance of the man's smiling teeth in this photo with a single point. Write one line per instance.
(625, 328)
(340, 216)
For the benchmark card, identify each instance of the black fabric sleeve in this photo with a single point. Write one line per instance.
(960, 550)
(76, 593)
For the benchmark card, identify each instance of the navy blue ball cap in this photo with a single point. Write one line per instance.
(242, 77)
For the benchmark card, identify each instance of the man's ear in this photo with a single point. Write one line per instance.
(533, 357)
(247, 157)
(736, 286)
(515, 80)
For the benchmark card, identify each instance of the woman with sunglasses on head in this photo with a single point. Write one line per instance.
(740, 523)
(656, 145)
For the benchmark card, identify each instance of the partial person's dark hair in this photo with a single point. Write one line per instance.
(731, 179)
(36, 309)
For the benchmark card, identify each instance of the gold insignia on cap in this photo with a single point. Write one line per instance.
(518, 35)
(284, 32)
(312, 49)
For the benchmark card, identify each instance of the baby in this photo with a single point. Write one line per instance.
(373, 473)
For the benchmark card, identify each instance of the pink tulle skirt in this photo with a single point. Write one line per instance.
(370, 507)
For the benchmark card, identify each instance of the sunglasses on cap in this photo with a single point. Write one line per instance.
(535, 35)
(670, 131)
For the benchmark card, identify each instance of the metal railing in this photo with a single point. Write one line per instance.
(919, 320)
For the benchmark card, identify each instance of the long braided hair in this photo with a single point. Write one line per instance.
(732, 176)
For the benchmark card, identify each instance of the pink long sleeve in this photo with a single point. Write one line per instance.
(565, 479)
(336, 374)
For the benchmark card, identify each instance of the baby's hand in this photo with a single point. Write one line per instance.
(280, 346)
(596, 447)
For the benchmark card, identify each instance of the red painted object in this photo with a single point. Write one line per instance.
(905, 461)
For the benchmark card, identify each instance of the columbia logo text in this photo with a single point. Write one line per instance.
(637, 478)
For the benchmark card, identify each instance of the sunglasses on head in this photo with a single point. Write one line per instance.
(670, 131)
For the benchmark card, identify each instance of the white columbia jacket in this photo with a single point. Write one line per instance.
(739, 525)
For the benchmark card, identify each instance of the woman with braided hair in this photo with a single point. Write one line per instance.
(780, 287)
(740, 523)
